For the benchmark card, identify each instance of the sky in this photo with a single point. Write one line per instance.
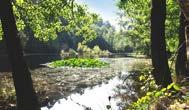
(105, 8)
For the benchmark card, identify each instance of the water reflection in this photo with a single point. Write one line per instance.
(101, 97)
(114, 95)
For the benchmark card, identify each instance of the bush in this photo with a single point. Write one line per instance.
(151, 96)
(70, 54)
(88, 52)
(155, 98)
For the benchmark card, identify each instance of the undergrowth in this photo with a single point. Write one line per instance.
(7, 92)
(153, 97)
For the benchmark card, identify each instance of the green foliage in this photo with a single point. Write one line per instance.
(46, 18)
(70, 54)
(1, 33)
(149, 93)
(135, 19)
(79, 62)
(144, 102)
(88, 52)
(144, 77)
(83, 48)
(117, 41)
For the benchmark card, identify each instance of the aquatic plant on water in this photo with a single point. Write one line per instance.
(79, 62)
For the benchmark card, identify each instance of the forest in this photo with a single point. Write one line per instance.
(60, 55)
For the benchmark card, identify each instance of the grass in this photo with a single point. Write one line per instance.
(79, 62)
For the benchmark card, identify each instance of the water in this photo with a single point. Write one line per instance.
(100, 97)
(107, 96)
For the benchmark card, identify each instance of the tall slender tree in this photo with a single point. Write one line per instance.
(26, 97)
(181, 61)
(185, 9)
(161, 71)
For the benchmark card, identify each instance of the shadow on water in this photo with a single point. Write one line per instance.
(113, 95)
(33, 61)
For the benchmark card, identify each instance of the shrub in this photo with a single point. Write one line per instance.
(151, 96)
(155, 97)
(88, 52)
(71, 53)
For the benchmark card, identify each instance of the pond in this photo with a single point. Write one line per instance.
(100, 97)
(106, 96)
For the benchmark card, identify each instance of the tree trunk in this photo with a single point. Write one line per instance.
(181, 61)
(161, 72)
(26, 97)
(187, 48)
(184, 4)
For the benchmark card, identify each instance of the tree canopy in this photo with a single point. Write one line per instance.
(46, 18)
(136, 22)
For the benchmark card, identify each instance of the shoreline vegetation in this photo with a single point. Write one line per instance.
(153, 97)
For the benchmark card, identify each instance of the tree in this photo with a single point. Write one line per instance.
(161, 71)
(180, 65)
(105, 34)
(185, 9)
(136, 22)
(26, 96)
(46, 18)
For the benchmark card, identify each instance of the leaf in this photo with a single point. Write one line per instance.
(170, 86)
(157, 94)
(141, 77)
(20, 1)
(176, 87)
(149, 93)
(142, 88)
(163, 90)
